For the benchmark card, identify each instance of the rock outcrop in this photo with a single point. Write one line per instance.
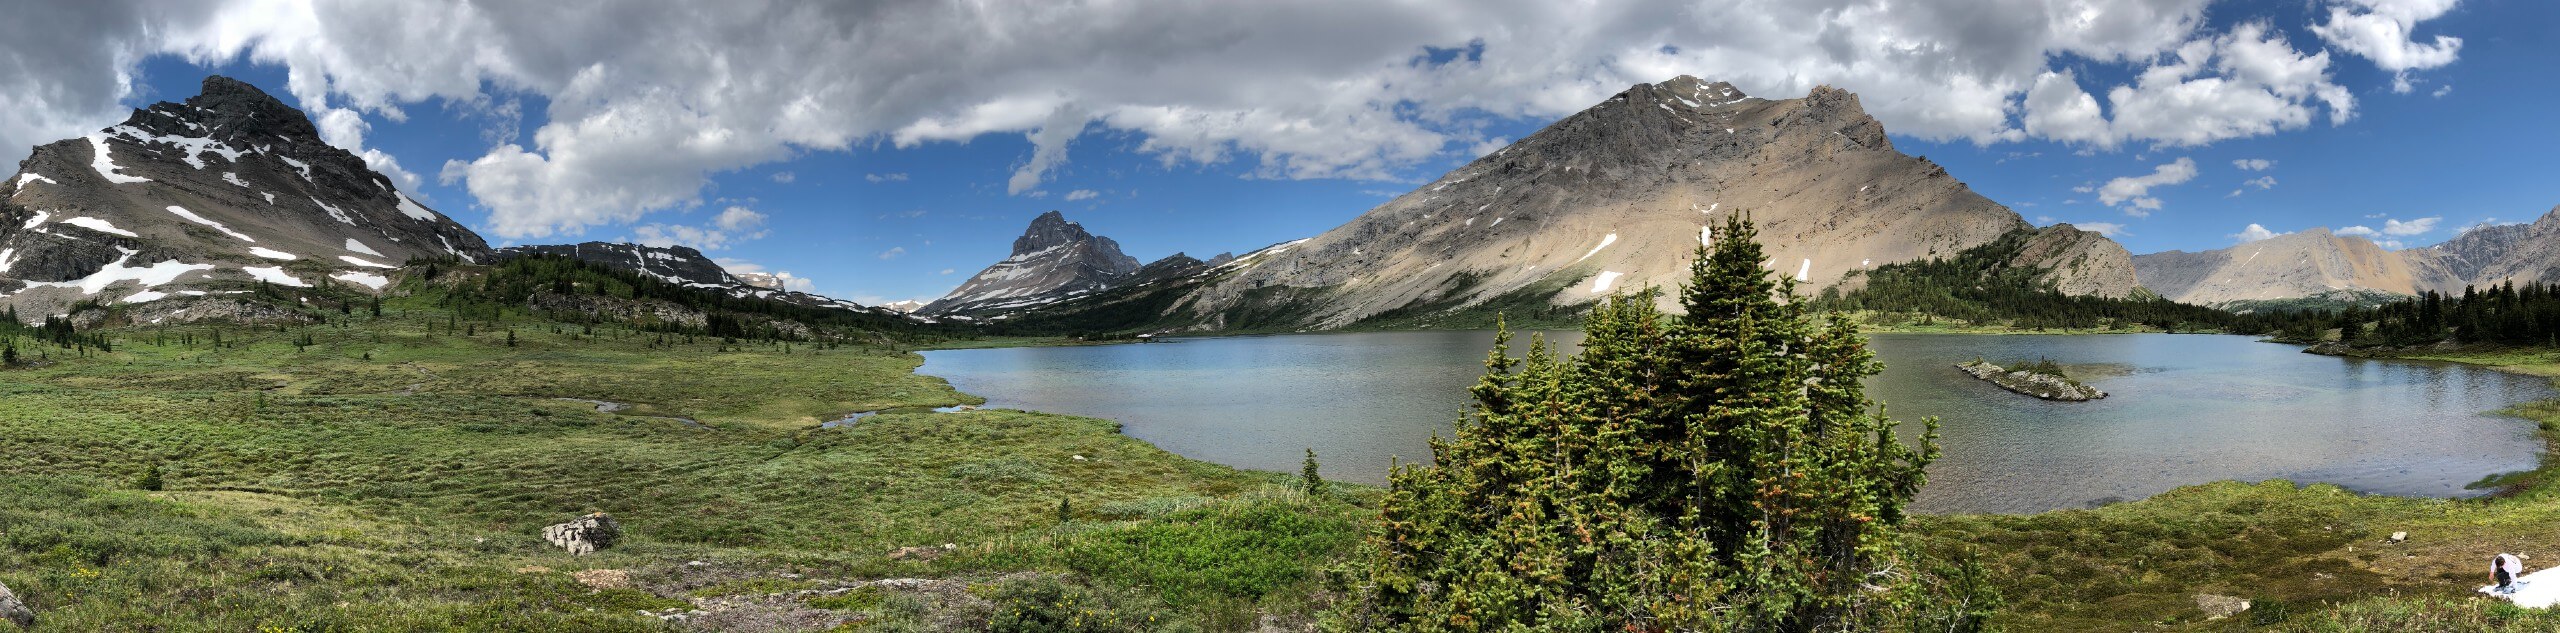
(2033, 383)
(1052, 261)
(227, 190)
(584, 535)
(14, 610)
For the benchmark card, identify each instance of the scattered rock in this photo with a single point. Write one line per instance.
(2219, 607)
(604, 578)
(2397, 537)
(14, 611)
(1079, 458)
(694, 563)
(584, 535)
(916, 553)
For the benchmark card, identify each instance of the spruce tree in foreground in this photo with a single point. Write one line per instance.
(1718, 470)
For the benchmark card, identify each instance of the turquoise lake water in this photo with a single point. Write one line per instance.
(2184, 409)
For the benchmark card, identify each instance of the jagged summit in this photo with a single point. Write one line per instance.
(228, 189)
(1054, 259)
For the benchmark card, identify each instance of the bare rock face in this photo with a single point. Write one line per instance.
(15, 611)
(214, 195)
(2292, 265)
(2521, 253)
(1618, 196)
(1054, 260)
(584, 535)
(2316, 263)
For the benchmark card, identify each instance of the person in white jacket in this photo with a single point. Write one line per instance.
(2505, 568)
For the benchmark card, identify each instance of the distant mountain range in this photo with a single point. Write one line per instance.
(2318, 264)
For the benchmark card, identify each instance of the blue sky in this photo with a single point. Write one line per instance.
(911, 193)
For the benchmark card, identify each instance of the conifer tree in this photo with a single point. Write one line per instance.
(1308, 480)
(1717, 470)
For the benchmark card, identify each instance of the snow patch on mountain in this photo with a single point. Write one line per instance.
(192, 217)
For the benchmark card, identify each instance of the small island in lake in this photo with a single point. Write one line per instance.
(2042, 378)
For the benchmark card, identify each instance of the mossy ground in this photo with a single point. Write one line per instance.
(394, 476)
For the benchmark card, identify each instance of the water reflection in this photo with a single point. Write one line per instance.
(2185, 409)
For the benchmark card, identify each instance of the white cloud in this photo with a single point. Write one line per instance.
(2441, 91)
(2263, 183)
(646, 102)
(2253, 233)
(896, 177)
(947, 271)
(785, 177)
(893, 252)
(2418, 226)
(789, 281)
(731, 226)
(2395, 229)
(2133, 193)
(2254, 164)
(2383, 31)
(2109, 229)
(1082, 194)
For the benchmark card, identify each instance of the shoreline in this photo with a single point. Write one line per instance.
(2548, 467)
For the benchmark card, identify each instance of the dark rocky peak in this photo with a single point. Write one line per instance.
(1221, 259)
(1050, 230)
(232, 118)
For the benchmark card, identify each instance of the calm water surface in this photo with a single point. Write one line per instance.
(2184, 409)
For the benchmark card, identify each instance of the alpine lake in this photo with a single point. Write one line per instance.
(2183, 409)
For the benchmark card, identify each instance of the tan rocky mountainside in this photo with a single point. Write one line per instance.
(1617, 197)
(2304, 264)
(2317, 263)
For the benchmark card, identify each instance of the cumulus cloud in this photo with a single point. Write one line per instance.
(644, 106)
(2253, 233)
(896, 177)
(731, 226)
(789, 281)
(2133, 193)
(2109, 229)
(893, 252)
(947, 271)
(2397, 228)
(2382, 31)
(785, 177)
(2254, 164)
(1083, 194)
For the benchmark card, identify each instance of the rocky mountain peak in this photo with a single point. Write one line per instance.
(1052, 230)
(1053, 260)
(228, 189)
(1615, 197)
